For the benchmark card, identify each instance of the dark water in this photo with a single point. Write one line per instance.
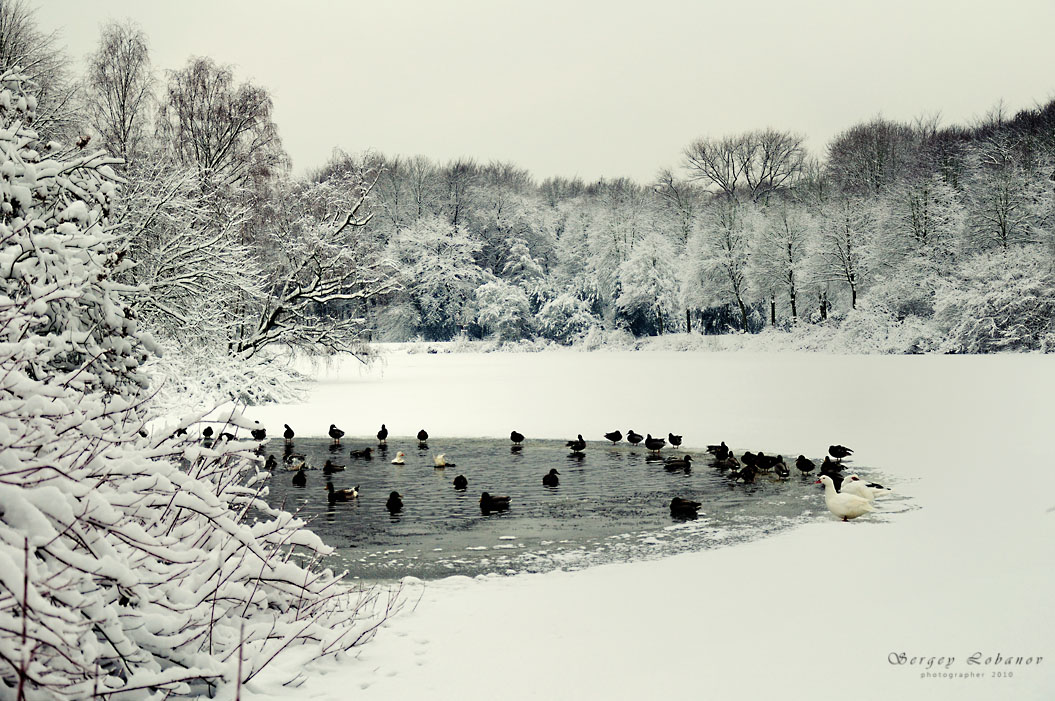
(612, 504)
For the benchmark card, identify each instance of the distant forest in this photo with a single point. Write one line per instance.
(947, 230)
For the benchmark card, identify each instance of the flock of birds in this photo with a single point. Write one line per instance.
(847, 497)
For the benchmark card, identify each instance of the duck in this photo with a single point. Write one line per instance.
(382, 436)
(577, 445)
(729, 462)
(271, 463)
(228, 436)
(614, 436)
(846, 506)
(839, 451)
(675, 441)
(550, 479)
(746, 474)
(258, 434)
(329, 468)
(341, 494)
(335, 434)
(363, 454)
(423, 436)
(682, 463)
(684, 508)
(855, 485)
(460, 482)
(804, 464)
(207, 432)
(633, 438)
(395, 502)
(287, 434)
(489, 503)
(440, 461)
(300, 478)
(763, 462)
(654, 444)
(718, 450)
(781, 468)
(517, 437)
(398, 460)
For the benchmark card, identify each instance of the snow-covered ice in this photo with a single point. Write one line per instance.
(822, 611)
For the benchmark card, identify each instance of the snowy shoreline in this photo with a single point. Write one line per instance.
(808, 610)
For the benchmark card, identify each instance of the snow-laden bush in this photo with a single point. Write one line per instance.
(145, 567)
(503, 310)
(565, 319)
(1002, 302)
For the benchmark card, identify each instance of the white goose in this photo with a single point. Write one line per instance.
(844, 505)
(855, 485)
(399, 458)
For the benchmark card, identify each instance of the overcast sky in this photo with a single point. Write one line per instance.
(594, 89)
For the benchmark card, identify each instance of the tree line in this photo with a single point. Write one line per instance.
(231, 256)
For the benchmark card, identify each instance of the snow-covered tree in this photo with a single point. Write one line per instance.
(439, 277)
(565, 318)
(128, 564)
(842, 250)
(1007, 203)
(503, 310)
(779, 250)
(648, 302)
(718, 251)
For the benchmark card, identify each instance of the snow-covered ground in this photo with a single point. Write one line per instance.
(823, 611)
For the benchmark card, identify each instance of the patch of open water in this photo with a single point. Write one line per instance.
(612, 504)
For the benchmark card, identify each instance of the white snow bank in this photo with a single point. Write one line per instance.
(818, 611)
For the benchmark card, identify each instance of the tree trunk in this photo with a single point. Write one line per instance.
(688, 321)
(772, 310)
(824, 306)
(794, 307)
(743, 312)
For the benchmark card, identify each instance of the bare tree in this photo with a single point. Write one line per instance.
(224, 131)
(752, 165)
(866, 158)
(38, 56)
(119, 87)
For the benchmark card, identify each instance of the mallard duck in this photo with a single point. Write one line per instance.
(207, 432)
(287, 435)
(684, 508)
(440, 461)
(614, 436)
(398, 460)
(804, 464)
(839, 451)
(258, 434)
(341, 494)
(781, 468)
(729, 462)
(654, 444)
(550, 479)
(362, 454)
(382, 436)
(395, 502)
(490, 503)
(329, 468)
(300, 478)
(517, 437)
(675, 441)
(633, 438)
(336, 434)
(460, 482)
(271, 463)
(845, 506)
(718, 450)
(423, 436)
(682, 463)
(577, 445)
